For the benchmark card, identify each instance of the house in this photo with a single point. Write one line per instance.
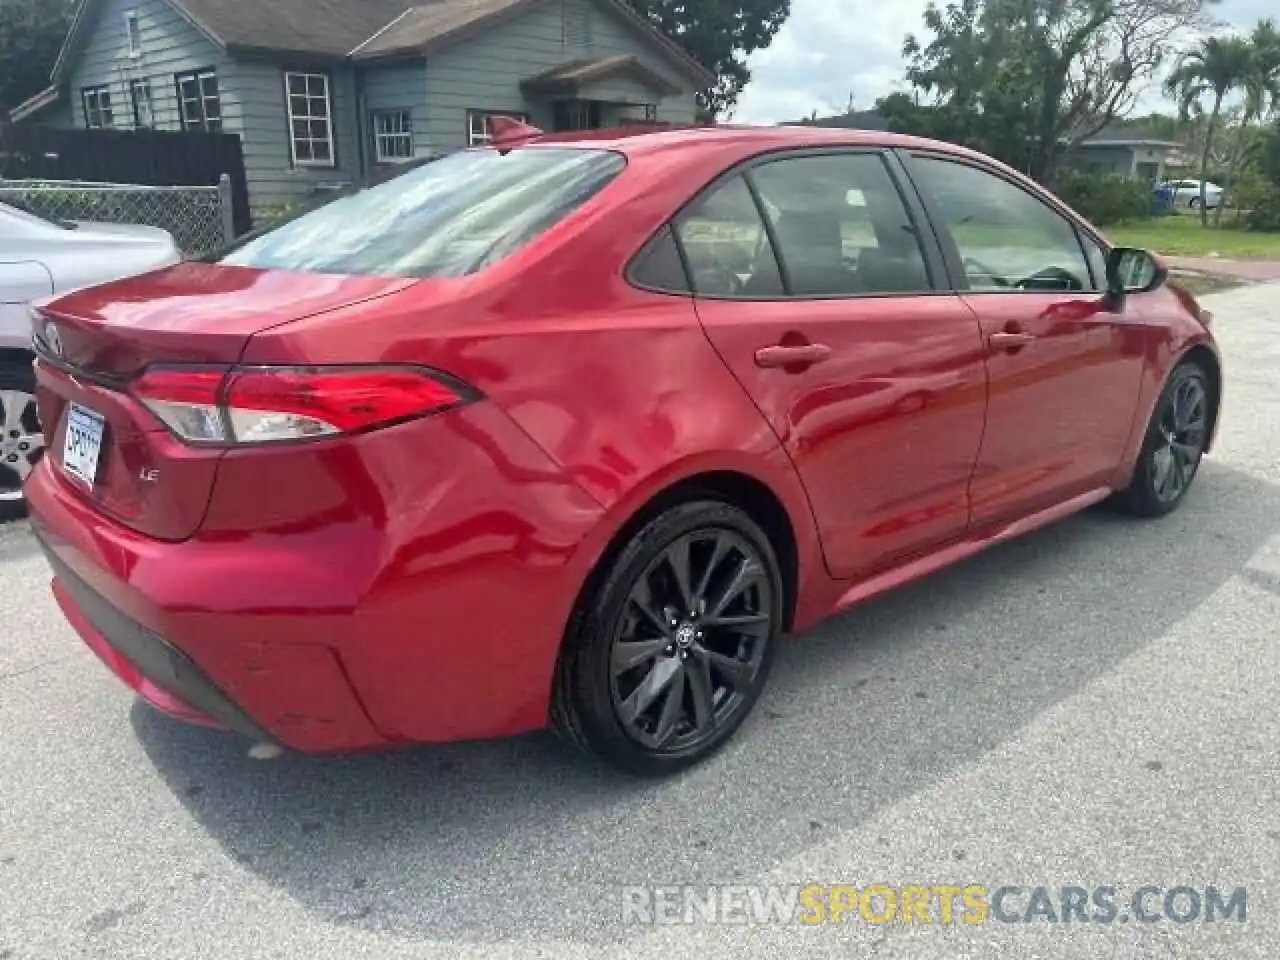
(1131, 153)
(853, 120)
(324, 93)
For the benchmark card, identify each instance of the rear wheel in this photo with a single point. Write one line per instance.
(21, 442)
(1174, 444)
(669, 654)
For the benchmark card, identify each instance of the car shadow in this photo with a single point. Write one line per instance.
(520, 839)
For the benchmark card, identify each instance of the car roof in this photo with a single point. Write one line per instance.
(634, 141)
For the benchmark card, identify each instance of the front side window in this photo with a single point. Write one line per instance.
(199, 104)
(140, 96)
(447, 218)
(97, 108)
(478, 129)
(841, 226)
(1008, 240)
(726, 245)
(392, 136)
(310, 119)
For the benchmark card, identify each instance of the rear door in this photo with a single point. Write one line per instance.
(825, 299)
(1064, 363)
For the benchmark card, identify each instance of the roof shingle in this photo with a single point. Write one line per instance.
(326, 27)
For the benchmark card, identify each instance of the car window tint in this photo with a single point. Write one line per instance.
(841, 226)
(659, 266)
(448, 218)
(1007, 238)
(727, 246)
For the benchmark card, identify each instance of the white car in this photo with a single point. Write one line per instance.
(40, 258)
(1186, 194)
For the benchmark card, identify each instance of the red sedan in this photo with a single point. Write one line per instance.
(570, 430)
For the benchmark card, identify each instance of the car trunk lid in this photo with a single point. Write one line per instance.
(94, 342)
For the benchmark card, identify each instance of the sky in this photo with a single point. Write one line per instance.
(830, 49)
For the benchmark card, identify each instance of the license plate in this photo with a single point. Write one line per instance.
(83, 444)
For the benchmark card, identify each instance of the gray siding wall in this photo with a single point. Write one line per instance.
(263, 123)
(485, 73)
(1107, 159)
(398, 86)
(170, 45)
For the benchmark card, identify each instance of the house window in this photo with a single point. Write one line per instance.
(478, 130)
(97, 108)
(310, 129)
(133, 33)
(140, 96)
(198, 101)
(392, 136)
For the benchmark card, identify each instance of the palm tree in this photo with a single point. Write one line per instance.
(1261, 84)
(1217, 66)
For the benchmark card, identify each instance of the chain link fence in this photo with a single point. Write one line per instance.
(199, 218)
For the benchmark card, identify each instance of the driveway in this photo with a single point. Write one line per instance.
(1094, 705)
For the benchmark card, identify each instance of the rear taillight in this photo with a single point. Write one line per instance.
(247, 405)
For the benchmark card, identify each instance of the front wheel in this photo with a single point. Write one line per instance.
(1174, 444)
(22, 442)
(670, 653)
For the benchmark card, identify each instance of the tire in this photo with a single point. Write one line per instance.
(654, 694)
(1195, 203)
(21, 440)
(1186, 398)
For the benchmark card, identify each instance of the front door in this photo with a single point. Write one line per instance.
(834, 319)
(1064, 377)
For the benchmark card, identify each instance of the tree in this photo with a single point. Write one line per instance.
(719, 34)
(31, 34)
(1261, 85)
(1214, 68)
(1034, 78)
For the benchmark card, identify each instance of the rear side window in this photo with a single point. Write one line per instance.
(841, 226)
(659, 266)
(448, 218)
(727, 246)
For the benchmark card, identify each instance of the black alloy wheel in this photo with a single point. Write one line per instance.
(1174, 445)
(677, 644)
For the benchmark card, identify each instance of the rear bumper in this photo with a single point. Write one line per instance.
(159, 634)
(158, 671)
(385, 598)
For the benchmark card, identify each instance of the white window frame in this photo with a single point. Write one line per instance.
(143, 85)
(105, 112)
(188, 122)
(309, 117)
(478, 135)
(133, 33)
(398, 132)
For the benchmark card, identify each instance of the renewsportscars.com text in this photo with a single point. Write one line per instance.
(968, 904)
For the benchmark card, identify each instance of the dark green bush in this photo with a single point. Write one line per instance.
(1104, 198)
(1265, 215)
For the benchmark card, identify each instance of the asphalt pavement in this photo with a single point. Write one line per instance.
(1092, 706)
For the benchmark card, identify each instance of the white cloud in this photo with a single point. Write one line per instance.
(830, 48)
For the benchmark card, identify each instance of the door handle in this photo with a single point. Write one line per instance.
(1009, 340)
(799, 355)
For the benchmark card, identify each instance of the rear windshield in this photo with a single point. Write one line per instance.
(448, 218)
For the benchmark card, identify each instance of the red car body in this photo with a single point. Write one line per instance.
(414, 583)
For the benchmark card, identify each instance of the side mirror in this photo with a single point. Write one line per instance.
(1130, 270)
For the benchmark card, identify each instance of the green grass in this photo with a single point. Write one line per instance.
(1184, 237)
